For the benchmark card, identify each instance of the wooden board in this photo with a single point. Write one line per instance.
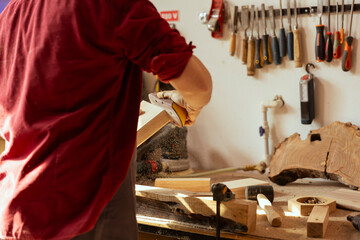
(317, 222)
(2, 145)
(331, 152)
(346, 198)
(297, 205)
(238, 210)
(238, 186)
(152, 119)
(188, 184)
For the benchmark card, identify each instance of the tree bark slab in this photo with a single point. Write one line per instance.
(331, 152)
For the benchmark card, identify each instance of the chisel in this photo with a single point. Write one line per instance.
(265, 39)
(258, 43)
(244, 25)
(274, 41)
(342, 23)
(251, 46)
(282, 37)
(290, 35)
(233, 36)
(297, 41)
(346, 60)
(329, 44)
(320, 40)
(337, 45)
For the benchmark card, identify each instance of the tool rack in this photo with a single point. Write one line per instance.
(311, 10)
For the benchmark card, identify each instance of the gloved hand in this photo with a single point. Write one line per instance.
(178, 99)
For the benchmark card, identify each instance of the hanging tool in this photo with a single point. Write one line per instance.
(221, 193)
(355, 220)
(244, 24)
(251, 46)
(342, 23)
(258, 43)
(320, 40)
(346, 60)
(307, 100)
(329, 44)
(337, 45)
(290, 35)
(274, 41)
(265, 39)
(282, 42)
(297, 41)
(235, 29)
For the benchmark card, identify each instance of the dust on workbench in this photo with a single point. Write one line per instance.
(294, 226)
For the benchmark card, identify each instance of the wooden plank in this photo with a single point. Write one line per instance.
(346, 198)
(152, 119)
(318, 221)
(188, 184)
(238, 186)
(238, 210)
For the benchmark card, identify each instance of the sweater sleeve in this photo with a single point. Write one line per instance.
(148, 41)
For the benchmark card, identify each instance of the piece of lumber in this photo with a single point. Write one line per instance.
(238, 186)
(331, 152)
(317, 222)
(303, 205)
(188, 184)
(346, 198)
(151, 120)
(238, 210)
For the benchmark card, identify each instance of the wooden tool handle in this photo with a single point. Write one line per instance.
(232, 44)
(272, 216)
(251, 57)
(297, 48)
(244, 50)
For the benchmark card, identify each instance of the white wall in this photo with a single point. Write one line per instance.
(226, 132)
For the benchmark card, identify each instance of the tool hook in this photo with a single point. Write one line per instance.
(307, 67)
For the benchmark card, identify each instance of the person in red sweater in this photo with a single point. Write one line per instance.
(70, 83)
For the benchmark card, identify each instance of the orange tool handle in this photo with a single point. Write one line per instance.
(346, 60)
(337, 45)
(341, 36)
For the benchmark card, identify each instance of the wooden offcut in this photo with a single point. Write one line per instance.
(238, 186)
(331, 152)
(346, 198)
(151, 120)
(317, 222)
(301, 205)
(188, 184)
(237, 210)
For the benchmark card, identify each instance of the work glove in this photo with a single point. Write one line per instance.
(175, 96)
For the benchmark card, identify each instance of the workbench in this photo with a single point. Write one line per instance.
(157, 221)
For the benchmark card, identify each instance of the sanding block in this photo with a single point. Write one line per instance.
(156, 115)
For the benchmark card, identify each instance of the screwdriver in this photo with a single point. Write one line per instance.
(342, 23)
(320, 40)
(251, 46)
(337, 46)
(329, 44)
(282, 42)
(346, 60)
(290, 35)
(274, 42)
(265, 39)
(297, 41)
(244, 24)
(258, 43)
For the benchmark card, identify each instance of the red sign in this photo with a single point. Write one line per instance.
(170, 15)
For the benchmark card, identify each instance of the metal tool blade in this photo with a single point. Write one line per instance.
(320, 10)
(257, 21)
(329, 16)
(342, 14)
(351, 16)
(295, 12)
(252, 12)
(272, 21)
(288, 13)
(263, 16)
(245, 18)
(235, 20)
(337, 14)
(281, 15)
